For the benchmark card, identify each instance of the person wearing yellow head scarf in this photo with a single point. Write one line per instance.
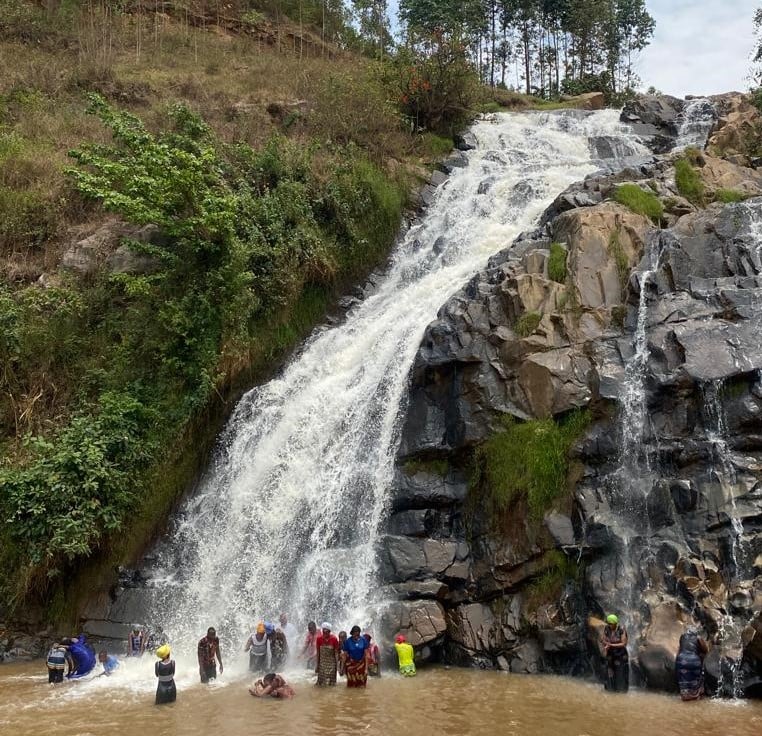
(166, 692)
(258, 647)
(614, 645)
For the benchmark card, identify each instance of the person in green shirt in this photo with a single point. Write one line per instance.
(405, 656)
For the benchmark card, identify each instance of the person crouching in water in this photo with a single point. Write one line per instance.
(405, 656)
(166, 692)
(273, 685)
(614, 643)
(109, 661)
(689, 665)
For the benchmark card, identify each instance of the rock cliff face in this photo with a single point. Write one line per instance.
(654, 330)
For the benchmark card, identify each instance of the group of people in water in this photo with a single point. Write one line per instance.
(689, 662)
(270, 646)
(354, 656)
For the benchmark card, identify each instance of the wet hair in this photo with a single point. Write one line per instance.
(312, 626)
(211, 631)
(354, 630)
(342, 634)
(268, 678)
(103, 652)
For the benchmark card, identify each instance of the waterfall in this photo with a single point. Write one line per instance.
(288, 516)
(694, 124)
(723, 470)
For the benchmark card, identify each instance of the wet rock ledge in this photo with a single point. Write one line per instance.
(660, 520)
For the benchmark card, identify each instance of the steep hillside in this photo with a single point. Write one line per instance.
(230, 176)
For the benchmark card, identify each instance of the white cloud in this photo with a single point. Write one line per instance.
(699, 47)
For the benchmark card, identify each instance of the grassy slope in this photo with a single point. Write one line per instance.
(144, 64)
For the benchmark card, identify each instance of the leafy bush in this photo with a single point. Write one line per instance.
(640, 201)
(79, 485)
(527, 324)
(557, 263)
(529, 459)
(249, 249)
(434, 82)
(689, 182)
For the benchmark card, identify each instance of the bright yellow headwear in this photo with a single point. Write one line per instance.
(163, 651)
(261, 628)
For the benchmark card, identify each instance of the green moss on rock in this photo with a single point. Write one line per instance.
(529, 459)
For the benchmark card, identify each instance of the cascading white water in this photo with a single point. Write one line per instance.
(289, 516)
(695, 124)
(634, 458)
(724, 472)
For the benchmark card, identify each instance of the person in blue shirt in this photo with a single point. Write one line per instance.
(109, 662)
(357, 650)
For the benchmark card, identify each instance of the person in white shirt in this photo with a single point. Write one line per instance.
(291, 633)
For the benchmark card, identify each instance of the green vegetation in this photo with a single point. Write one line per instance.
(621, 260)
(689, 182)
(730, 196)
(558, 570)
(619, 315)
(527, 324)
(529, 459)
(252, 244)
(557, 263)
(640, 201)
(433, 467)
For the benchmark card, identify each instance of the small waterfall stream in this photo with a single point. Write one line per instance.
(695, 124)
(288, 516)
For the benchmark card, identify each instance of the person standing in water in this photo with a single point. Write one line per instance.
(208, 651)
(258, 647)
(405, 656)
(309, 650)
(356, 662)
(166, 692)
(290, 631)
(342, 653)
(327, 663)
(136, 642)
(278, 650)
(58, 658)
(614, 644)
(689, 665)
(374, 657)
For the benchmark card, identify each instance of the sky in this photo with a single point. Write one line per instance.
(699, 47)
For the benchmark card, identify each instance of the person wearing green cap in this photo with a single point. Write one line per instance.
(614, 644)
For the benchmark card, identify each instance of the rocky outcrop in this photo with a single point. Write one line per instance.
(656, 333)
(656, 118)
(109, 246)
(738, 131)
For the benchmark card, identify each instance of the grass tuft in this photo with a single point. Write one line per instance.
(640, 201)
(529, 459)
(557, 263)
(730, 196)
(689, 182)
(527, 324)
